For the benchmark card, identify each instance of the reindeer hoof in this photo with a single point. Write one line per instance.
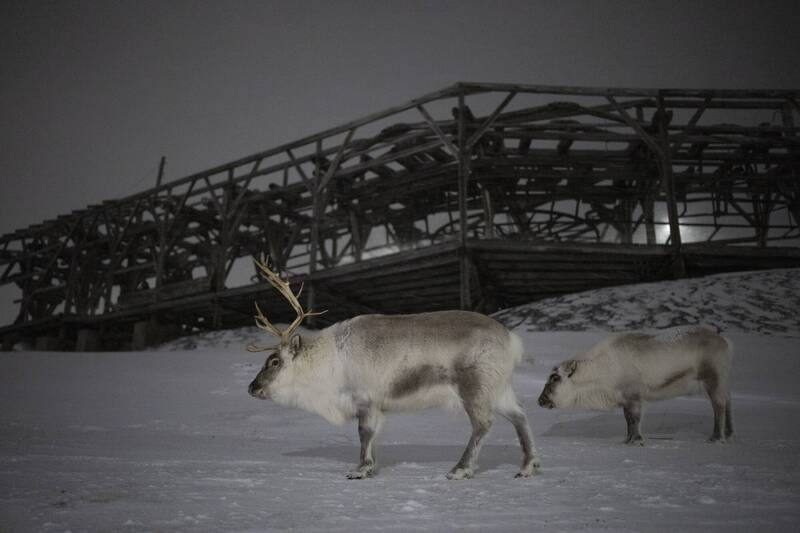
(638, 440)
(460, 473)
(716, 439)
(530, 468)
(525, 472)
(359, 474)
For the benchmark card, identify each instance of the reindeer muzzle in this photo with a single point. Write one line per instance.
(257, 391)
(546, 402)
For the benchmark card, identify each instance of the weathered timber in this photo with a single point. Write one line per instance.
(500, 201)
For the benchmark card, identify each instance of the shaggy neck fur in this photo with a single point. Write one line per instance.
(596, 393)
(590, 397)
(316, 382)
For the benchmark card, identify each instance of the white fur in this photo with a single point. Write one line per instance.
(372, 364)
(324, 376)
(642, 366)
(516, 348)
(357, 362)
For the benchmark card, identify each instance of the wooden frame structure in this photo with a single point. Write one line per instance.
(477, 196)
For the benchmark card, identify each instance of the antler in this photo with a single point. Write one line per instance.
(283, 287)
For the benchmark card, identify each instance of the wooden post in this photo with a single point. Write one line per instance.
(668, 181)
(765, 210)
(216, 319)
(463, 177)
(162, 245)
(787, 118)
(73, 290)
(223, 244)
(648, 208)
(8, 343)
(355, 235)
(161, 166)
(88, 340)
(628, 206)
(315, 220)
(488, 213)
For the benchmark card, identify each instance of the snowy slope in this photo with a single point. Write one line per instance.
(170, 441)
(764, 302)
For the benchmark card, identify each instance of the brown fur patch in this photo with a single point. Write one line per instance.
(468, 380)
(418, 378)
(708, 375)
(677, 376)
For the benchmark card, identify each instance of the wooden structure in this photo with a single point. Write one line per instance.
(477, 196)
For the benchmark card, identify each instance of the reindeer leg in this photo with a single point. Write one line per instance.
(709, 375)
(632, 409)
(513, 412)
(370, 420)
(481, 418)
(728, 418)
(719, 419)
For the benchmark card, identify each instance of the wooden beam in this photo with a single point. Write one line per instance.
(471, 87)
(463, 178)
(630, 121)
(489, 121)
(438, 131)
(336, 161)
(668, 181)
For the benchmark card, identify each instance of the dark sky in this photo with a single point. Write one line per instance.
(93, 93)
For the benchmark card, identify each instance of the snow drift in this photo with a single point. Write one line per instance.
(765, 302)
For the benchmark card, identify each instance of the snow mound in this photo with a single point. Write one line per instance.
(764, 302)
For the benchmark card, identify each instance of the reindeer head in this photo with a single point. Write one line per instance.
(278, 370)
(559, 391)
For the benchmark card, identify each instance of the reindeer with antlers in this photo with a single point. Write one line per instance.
(369, 365)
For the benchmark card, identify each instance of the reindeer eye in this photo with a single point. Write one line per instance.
(555, 378)
(274, 362)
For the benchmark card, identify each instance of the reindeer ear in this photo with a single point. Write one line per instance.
(295, 344)
(572, 366)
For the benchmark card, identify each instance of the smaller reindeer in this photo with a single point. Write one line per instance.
(630, 368)
(372, 364)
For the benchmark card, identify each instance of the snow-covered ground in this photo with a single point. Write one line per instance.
(753, 302)
(169, 440)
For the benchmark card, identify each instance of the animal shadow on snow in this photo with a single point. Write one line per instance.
(388, 455)
(611, 425)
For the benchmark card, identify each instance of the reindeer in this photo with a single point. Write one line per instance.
(367, 366)
(630, 368)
